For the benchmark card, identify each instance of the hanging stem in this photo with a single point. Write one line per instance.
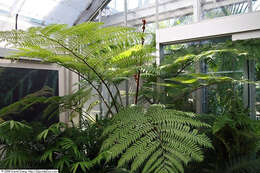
(93, 86)
(119, 95)
(88, 65)
(137, 77)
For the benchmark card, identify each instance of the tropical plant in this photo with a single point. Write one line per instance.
(98, 55)
(235, 139)
(69, 149)
(31, 108)
(155, 140)
(43, 107)
(17, 145)
(30, 143)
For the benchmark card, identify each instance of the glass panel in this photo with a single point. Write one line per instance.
(224, 64)
(171, 13)
(214, 10)
(133, 4)
(174, 96)
(256, 5)
(40, 12)
(16, 83)
(138, 10)
(113, 13)
(151, 27)
(182, 20)
(115, 6)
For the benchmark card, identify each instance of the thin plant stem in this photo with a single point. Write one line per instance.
(139, 72)
(93, 86)
(119, 95)
(89, 66)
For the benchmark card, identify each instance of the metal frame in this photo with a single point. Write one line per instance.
(168, 9)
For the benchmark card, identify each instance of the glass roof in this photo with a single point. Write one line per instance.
(40, 12)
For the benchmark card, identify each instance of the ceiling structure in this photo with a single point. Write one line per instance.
(72, 12)
(44, 12)
(168, 9)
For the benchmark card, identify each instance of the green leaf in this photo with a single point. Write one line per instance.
(139, 137)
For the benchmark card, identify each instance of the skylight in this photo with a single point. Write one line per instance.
(40, 12)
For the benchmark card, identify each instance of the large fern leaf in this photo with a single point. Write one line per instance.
(155, 140)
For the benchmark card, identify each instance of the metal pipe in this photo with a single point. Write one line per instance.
(125, 12)
(250, 6)
(157, 13)
(16, 21)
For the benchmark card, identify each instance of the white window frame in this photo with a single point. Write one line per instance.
(239, 27)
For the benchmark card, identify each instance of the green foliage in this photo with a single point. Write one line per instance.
(32, 107)
(235, 133)
(155, 140)
(31, 145)
(235, 139)
(98, 54)
(44, 107)
(16, 83)
(72, 149)
(177, 77)
(69, 149)
(18, 145)
(142, 140)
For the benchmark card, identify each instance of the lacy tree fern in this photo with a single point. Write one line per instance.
(155, 140)
(96, 54)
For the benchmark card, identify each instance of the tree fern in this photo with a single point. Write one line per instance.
(155, 140)
(95, 53)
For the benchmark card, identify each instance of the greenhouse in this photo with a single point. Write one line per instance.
(130, 86)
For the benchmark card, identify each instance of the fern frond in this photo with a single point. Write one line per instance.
(55, 129)
(16, 159)
(63, 162)
(96, 53)
(67, 143)
(155, 139)
(48, 154)
(242, 165)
